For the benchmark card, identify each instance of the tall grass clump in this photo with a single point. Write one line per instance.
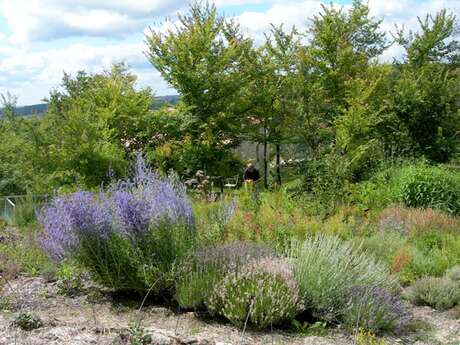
(26, 210)
(327, 268)
(130, 236)
(426, 186)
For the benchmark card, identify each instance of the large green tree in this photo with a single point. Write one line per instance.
(273, 72)
(92, 125)
(16, 149)
(343, 45)
(342, 52)
(203, 58)
(425, 94)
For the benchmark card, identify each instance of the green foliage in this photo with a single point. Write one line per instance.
(425, 92)
(27, 321)
(17, 150)
(147, 263)
(431, 44)
(91, 124)
(439, 293)
(172, 147)
(326, 268)
(264, 293)
(424, 263)
(318, 328)
(23, 255)
(138, 336)
(383, 245)
(343, 43)
(69, 279)
(326, 179)
(364, 127)
(430, 186)
(203, 59)
(274, 89)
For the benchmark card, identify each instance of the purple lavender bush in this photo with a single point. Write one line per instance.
(131, 236)
(375, 309)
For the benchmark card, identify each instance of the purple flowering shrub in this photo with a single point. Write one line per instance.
(375, 309)
(207, 266)
(130, 236)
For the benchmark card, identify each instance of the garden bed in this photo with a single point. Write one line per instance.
(95, 318)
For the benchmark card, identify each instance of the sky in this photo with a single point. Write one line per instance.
(42, 39)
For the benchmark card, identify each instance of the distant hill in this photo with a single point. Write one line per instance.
(26, 110)
(40, 109)
(161, 100)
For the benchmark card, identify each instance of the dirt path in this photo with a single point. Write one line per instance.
(94, 319)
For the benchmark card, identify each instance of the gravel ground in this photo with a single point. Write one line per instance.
(94, 318)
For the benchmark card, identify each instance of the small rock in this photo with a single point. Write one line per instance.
(160, 339)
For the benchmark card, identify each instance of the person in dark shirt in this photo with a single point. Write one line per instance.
(251, 173)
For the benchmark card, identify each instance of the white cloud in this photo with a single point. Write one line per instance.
(35, 20)
(29, 70)
(31, 75)
(294, 13)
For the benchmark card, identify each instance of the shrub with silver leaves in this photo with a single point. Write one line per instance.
(326, 268)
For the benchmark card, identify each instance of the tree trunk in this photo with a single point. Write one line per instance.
(278, 167)
(265, 159)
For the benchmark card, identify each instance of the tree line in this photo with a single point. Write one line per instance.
(325, 91)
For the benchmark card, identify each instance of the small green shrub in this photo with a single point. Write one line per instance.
(374, 309)
(69, 280)
(318, 328)
(422, 264)
(137, 335)
(27, 321)
(431, 254)
(439, 293)
(326, 268)
(4, 305)
(264, 293)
